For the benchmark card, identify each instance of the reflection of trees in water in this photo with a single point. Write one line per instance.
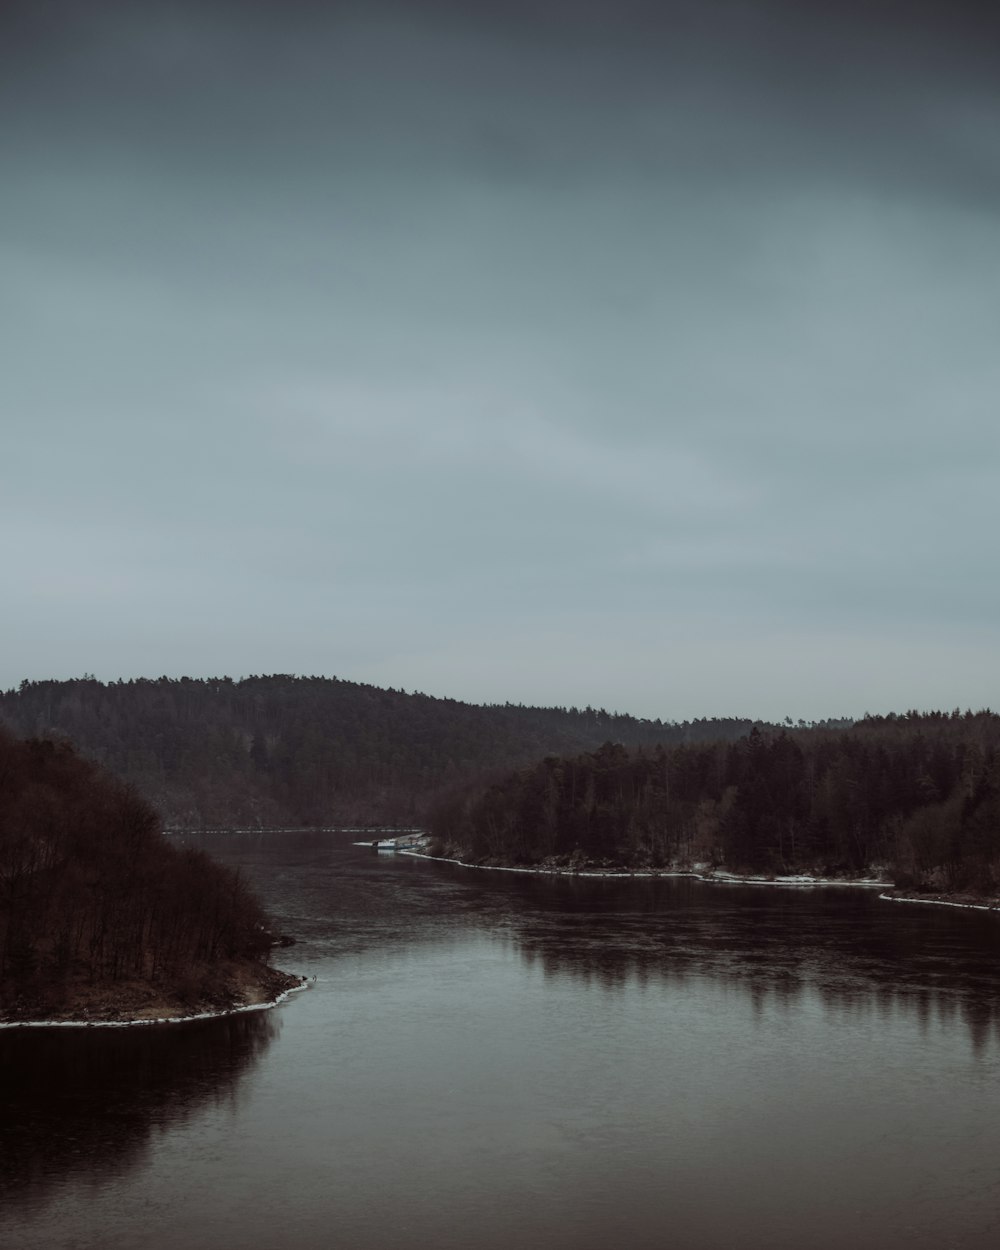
(859, 954)
(82, 1104)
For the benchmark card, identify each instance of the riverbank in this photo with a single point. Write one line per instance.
(235, 988)
(971, 902)
(699, 872)
(711, 876)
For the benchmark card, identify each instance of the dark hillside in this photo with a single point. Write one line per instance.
(917, 795)
(310, 750)
(98, 912)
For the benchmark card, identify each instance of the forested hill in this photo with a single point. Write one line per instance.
(916, 794)
(99, 913)
(310, 750)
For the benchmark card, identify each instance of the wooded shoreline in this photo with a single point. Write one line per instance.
(914, 798)
(270, 987)
(101, 918)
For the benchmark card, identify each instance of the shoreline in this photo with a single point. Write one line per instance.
(801, 880)
(301, 983)
(792, 880)
(938, 901)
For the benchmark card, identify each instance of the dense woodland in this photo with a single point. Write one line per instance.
(915, 795)
(284, 750)
(92, 894)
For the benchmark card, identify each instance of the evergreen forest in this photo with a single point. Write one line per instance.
(92, 895)
(916, 796)
(282, 750)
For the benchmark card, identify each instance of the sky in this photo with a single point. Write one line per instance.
(638, 355)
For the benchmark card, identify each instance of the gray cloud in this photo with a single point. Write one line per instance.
(548, 356)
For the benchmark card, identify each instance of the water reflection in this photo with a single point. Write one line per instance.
(87, 1103)
(857, 953)
(638, 1062)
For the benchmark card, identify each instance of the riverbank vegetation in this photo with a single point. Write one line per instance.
(99, 914)
(916, 797)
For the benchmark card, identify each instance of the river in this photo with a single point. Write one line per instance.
(490, 1060)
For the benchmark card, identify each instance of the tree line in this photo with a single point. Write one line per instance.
(917, 795)
(91, 892)
(281, 749)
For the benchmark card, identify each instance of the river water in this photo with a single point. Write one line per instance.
(490, 1060)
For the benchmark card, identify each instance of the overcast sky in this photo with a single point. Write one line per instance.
(639, 355)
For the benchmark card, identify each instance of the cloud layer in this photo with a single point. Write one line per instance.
(638, 355)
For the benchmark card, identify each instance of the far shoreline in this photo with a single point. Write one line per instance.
(792, 880)
(711, 877)
(942, 900)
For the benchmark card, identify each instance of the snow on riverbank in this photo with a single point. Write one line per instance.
(128, 1024)
(941, 902)
(712, 877)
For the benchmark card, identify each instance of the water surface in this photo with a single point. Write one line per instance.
(490, 1059)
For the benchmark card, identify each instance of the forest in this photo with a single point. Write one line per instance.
(286, 750)
(92, 896)
(915, 796)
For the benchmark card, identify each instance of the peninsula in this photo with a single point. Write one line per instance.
(101, 918)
